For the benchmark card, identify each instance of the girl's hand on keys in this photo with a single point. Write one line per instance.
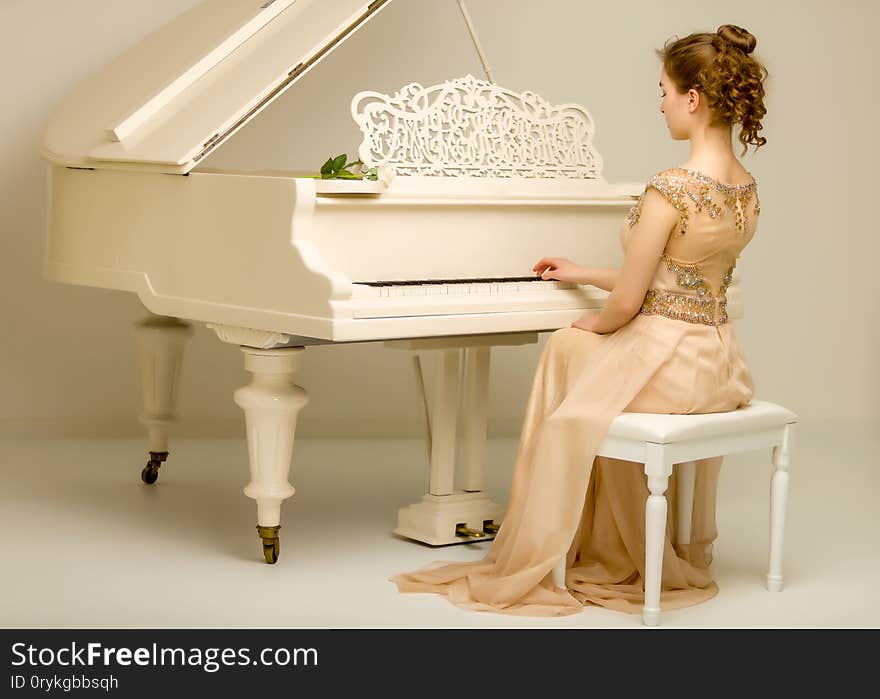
(558, 268)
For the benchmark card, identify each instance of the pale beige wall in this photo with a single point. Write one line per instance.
(811, 330)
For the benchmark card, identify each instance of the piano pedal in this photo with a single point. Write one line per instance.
(489, 526)
(463, 530)
(151, 470)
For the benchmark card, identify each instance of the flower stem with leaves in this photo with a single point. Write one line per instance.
(338, 168)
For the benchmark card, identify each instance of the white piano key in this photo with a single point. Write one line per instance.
(530, 287)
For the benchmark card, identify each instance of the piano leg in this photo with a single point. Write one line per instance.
(271, 404)
(161, 341)
(446, 515)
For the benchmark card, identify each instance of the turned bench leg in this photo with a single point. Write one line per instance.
(559, 573)
(686, 475)
(778, 502)
(657, 469)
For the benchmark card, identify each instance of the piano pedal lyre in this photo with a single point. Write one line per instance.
(460, 382)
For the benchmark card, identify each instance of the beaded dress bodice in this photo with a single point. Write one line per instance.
(715, 222)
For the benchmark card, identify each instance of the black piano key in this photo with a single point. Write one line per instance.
(483, 280)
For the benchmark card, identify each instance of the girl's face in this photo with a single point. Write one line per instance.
(679, 109)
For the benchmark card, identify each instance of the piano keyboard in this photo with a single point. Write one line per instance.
(452, 287)
(425, 297)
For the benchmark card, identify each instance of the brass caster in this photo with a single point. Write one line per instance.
(463, 530)
(271, 544)
(490, 527)
(151, 470)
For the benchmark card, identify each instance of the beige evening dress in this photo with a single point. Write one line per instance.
(679, 354)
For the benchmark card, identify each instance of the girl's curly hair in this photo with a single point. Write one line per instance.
(720, 66)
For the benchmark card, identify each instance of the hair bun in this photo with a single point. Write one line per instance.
(738, 37)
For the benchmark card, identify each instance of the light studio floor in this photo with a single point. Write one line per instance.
(86, 544)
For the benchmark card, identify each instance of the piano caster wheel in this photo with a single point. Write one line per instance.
(151, 470)
(463, 530)
(490, 527)
(270, 552)
(271, 544)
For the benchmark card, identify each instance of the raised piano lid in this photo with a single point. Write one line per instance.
(170, 100)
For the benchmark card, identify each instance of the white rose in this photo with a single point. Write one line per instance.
(385, 174)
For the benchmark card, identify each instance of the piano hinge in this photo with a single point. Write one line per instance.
(211, 141)
(291, 76)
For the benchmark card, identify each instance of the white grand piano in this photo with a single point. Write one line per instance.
(477, 184)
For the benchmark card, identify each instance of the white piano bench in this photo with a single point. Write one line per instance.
(661, 440)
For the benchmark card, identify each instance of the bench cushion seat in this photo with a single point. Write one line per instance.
(667, 429)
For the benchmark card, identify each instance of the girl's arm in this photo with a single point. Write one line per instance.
(601, 277)
(646, 244)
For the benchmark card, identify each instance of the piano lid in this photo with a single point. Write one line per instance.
(171, 99)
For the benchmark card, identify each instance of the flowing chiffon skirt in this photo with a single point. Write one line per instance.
(564, 500)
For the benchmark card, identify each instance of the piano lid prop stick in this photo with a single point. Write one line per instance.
(473, 33)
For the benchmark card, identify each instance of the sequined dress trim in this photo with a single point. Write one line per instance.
(697, 187)
(705, 307)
